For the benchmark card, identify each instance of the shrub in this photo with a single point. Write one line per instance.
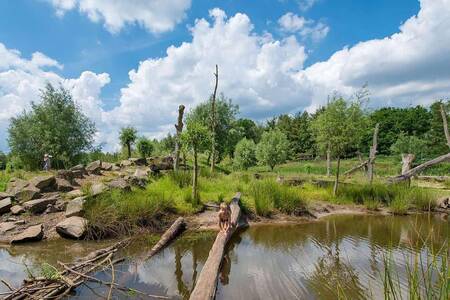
(181, 178)
(244, 154)
(272, 149)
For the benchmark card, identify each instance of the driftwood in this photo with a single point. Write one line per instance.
(178, 226)
(213, 122)
(445, 124)
(179, 128)
(205, 289)
(420, 168)
(68, 279)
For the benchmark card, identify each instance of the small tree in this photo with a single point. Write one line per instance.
(195, 138)
(339, 127)
(128, 137)
(272, 149)
(244, 154)
(409, 145)
(144, 147)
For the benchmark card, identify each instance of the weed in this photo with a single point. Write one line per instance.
(49, 272)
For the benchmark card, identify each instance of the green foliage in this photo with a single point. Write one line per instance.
(409, 144)
(3, 160)
(128, 136)
(56, 126)
(144, 147)
(272, 149)
(196, 137)
(435, 137)
(49, 272)
(244, 154)
(248, 129)
(181, 178)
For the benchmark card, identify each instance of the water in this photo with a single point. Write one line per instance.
(322, 260)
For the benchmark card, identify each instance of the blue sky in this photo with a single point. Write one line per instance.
(292, 54)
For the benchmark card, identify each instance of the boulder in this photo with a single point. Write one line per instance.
(140, 177)
(6, 226)
(27, 193)
(74, 194)
(121, 184)
(40, 205)
(44, 183)
(31, 234)
(17, 210)
(443, 202)
(73, 227)
(75, 207)
(5, 205)
(65, 174)
(115, 168)
(106, 166)
(63, 185)
(138, 161)
(94, 167)
(5, 195)
(98, 188)
(15, 185)
(125, 163)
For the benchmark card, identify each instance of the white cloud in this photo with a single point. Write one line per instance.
(263, 75)
(293, 23)
(305, 5)
(154, 15)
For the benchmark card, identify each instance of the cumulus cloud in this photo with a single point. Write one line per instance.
(265, 76)
(293, 23)
(154, 15)
(305, 5)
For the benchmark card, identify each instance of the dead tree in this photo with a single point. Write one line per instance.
(179, 128)
(407, 160)
(444, 121)
(205, 288)
(372, 154)
(213, 122)
(177, 227)
(408, 174)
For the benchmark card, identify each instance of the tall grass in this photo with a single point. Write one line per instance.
(4, 179)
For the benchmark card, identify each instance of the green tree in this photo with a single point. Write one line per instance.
(244, 154)
(435, 137)
(195, 138)
(249, 129)
(3, 160)
(339, 127)
(144, 147)
(128, 137)
(298, 132)
(410, 144)
(272, 149)
(226, 113)
(56, 126)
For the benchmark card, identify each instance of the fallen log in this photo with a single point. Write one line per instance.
(177, 226)
(408, 174)
(355, 168)
(205, 289)
(434, 178)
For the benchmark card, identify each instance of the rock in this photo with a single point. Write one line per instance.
(20, 222)
(11, 219)
(73, 227)
(140, 177)
(78, 168)
(31, 234)
(115, 168)
(138, 161)
(65, 174)
(17, 210)
(443, 202)
(121, 184)
(40, 205)
(106, 166)
(60, 205)
(6, 226)
(5, 195)
(125, 163)
(74, 194)
(94, 167)
(97, 188)
(78, 171)
(75, 207)
(5, 205)
(44, 183)
(63, 185)
(27, 193)
(15, 185)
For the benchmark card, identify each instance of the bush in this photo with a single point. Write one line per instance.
(244, 154)
(181, 178)
(272, 150)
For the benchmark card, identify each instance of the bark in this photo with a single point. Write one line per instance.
(407, 160)
(177, 227)
(328, 161)
(129, 149)
(372, 154)
(205, 289)
(179, 128)
(195, 177)
(420, 168)
(213, 122)
(355, 168)
(444, 121)
(336, 182)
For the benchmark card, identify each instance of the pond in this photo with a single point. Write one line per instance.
(336, 256)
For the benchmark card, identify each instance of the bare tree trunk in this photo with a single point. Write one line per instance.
(336, 182)
(407, 160)
(328, 161)
(195, 178)
(129, 150)
(444, 121)
(179, 128)
(420, 168)
(213, 122)
(372, 154)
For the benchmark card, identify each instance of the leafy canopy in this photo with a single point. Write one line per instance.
(196, 137)
(128, 135)
(245, 154)
(56, 126)
(144, 147)
(272, 149)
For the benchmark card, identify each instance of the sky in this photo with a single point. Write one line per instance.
(132, 62)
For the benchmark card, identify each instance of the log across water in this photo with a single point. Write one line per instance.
(205, 288)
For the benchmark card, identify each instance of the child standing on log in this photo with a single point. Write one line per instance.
(224, 217)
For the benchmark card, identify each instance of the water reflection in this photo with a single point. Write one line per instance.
(340, 255)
